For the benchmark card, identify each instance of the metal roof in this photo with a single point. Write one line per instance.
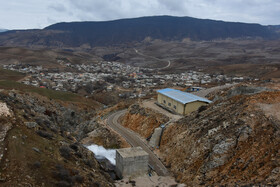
(182, 97)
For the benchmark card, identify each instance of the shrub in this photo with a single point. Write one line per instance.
(44, 134)
(65, 151)
(63, 184)
(78, 178)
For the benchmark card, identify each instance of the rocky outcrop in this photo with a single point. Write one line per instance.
(143, 120)
(40, 143)
(5, 120)
(104, 137)
(231, 142)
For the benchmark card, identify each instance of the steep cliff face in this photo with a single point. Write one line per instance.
(233, 141)
(143, 120)
(39, 143)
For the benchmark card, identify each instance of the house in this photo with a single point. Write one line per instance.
(180, 102)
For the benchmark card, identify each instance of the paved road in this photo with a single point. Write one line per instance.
(133, 139)
(168, 61)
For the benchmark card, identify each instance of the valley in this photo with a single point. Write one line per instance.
(63, 90)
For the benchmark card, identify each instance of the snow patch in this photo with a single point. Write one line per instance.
(100, 152)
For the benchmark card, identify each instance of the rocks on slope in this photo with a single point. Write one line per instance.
(231, 142)
(5, 117)
(143, 120)
(40, 144)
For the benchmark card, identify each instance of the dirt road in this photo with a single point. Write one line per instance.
(203, 93)
(168, 61)
(134, 140)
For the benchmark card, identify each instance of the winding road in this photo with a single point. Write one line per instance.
(134, 140)
(168, 61)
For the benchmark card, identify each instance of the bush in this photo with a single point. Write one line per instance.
(78, 178)
(44, 134)
(74, 147)
(65, 152)
(37, 164)
(62, 174)
(63, 184)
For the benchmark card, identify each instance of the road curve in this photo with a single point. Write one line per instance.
(135, 141)
(168, 61)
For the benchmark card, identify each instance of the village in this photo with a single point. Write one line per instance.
(110, 76)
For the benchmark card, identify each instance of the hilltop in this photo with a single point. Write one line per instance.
(129, 31)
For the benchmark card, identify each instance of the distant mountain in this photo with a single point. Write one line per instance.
(275, 28)
(3, 30)
(127, 31)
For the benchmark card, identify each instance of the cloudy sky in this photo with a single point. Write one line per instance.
(27, 14)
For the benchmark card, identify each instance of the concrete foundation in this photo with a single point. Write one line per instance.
(154, 141)
(131, 162)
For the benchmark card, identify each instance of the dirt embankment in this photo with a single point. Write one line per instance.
(143, 120)
(104, 136)
(99, 133)
(233, 141)
(40, 143)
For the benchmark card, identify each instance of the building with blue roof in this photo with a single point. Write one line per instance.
(180, 102)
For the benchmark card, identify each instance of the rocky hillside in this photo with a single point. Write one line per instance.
(143, 120)
(235, 140)
(40, 143)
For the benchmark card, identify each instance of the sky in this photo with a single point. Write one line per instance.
(30, 14)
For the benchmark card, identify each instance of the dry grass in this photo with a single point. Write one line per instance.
(8, 81)
(10, 75)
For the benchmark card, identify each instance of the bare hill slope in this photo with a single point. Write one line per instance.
(232, 142)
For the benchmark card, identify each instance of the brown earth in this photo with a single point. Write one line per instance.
(48, 58)
(256, 58)
(104, 136)
(143, 120)
(40, 143)
(232, 142)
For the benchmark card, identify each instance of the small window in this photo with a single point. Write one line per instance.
(174, 106)
(169, 104)
(164, 101)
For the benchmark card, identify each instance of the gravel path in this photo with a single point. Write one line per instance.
(168, 61)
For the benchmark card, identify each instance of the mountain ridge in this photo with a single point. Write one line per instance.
(158, 16)
(3, 30)
(131, 30)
